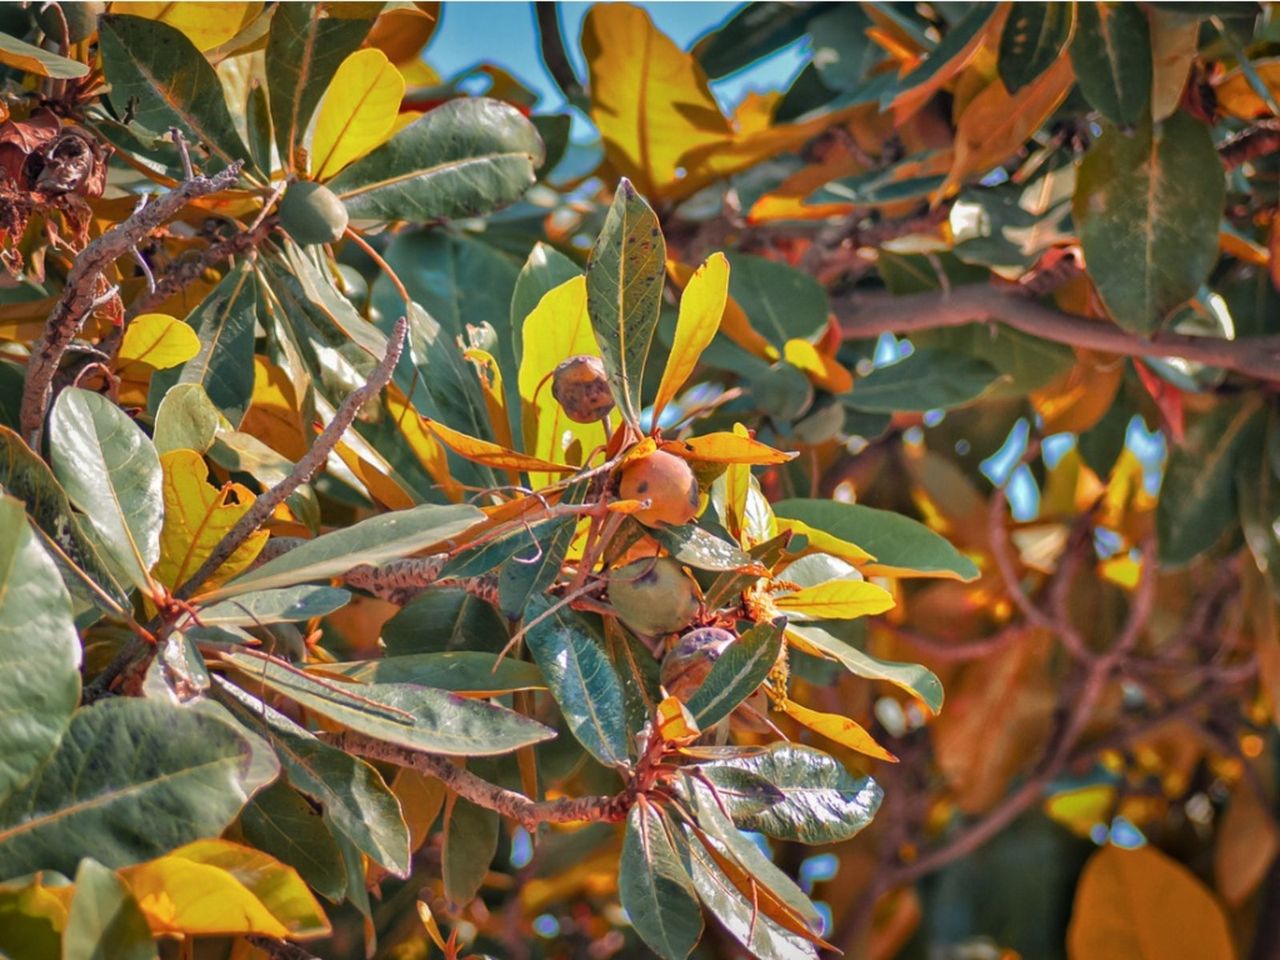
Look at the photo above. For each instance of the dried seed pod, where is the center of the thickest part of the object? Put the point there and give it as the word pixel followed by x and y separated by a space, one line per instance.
pixel 581 387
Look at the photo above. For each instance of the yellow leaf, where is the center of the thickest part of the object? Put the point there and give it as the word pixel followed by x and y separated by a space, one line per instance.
pixel 207 25
pixel 495 399
pixel 556 329
pixel 823 370
pixel 158 340
pixel 737 486
pixel 1082 809
pixel 727 448
pixel 426 448
pixel 421 798
pixel 848 733
pixel 357 113
pixel 701 307
pixel 676 723
pixel 430 925
pixel 734 323
pixel 822 542
pixel 491 454
pixel 24 321
pixel 1141 905
pixel 997 123
pixel 755 112
pixel 1239 99
pixel 649 99
pixel 196 516
pixel 1248 841
pixel 215 887
pixel 837 600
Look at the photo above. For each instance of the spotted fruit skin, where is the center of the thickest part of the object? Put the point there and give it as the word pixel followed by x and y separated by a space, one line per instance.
pixel 687 664
pixel 312 213
pixel 668 483
pixel 581 387
pixel 653 596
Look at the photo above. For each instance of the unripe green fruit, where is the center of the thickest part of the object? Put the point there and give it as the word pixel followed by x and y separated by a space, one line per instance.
pixel 821 424
pixel 312 213
pixel 668 483
pixel 783 392
pixel 581 387
pixel 653 596
pixel 82 20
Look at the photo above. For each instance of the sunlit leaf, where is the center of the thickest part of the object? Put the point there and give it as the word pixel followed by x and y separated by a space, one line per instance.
pixel 491 454
pixel 728 448
pixel 839 729
pixel 357 111
pixel 836 600
pixel 159 341
pixel 21 55
pixel 701 307
pixel 104 920
pixel 207 25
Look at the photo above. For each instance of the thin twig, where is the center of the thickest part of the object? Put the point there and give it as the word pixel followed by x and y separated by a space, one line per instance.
pixel 81 293
pixel 864 315
pixel 528 813
pixel 306 468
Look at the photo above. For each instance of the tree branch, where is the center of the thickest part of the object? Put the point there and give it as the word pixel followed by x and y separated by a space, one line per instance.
pixel 306 468
pixel 864 314
pixel 81 294
pixel 528 813
pixel 554 55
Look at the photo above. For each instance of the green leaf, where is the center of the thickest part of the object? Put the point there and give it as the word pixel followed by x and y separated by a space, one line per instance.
pixel 954 43
pixel 32 917
pixel 278 821
pixel 186 419
pixel 1258 492
pixel 625 273
pixel 1027 362
pixel 105 922
pixel 1111 55
pixel 417 717
pixel 755 931
pixel 1150 242
pixel 895 541
pixel 470 842
pixel 459 671
pixel 282 605
pixel 730 843
pixel 304 50
pixel 1198 496
pixel 388 536
pixel 29 479
pixel 1032 39
pixel 130 780
pixel 439 620
pixel 571 657
pixel 355 799
pixel 465 158
pixel 224 321
pixel 39 651
pixel 752 33
pixel 154 67
pixel 43 63
pixel 821 802
pixel 737 673
pixel 783 303
pixel 522 578
pixel 110 471
pixel 655 887
pixel 925 380
pixel 914 678
pixel 695 547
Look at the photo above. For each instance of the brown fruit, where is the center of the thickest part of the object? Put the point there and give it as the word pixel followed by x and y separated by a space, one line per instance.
pixel 668 483
pixel 687 664
pixel 581 387
pixel 653 597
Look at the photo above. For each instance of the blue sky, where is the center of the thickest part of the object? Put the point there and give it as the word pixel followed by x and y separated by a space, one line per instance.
pixel 504 33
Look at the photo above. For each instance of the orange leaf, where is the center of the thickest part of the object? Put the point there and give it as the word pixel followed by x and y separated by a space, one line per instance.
pixel 1141 905
pixel 823 370
pixel 848 733
pixel 1238 98
pixel 701 307
pixel 426 448
pixel 822 542
pixel 491 454
pixel 997 123
pixel 727 448
pixel 1247 843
